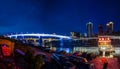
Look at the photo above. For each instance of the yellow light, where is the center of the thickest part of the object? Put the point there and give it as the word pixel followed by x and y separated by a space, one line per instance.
pixel 99 39
pixel 104 41
pixel 108 38
pixel 102 38
pixel 107 24
pixel 110 22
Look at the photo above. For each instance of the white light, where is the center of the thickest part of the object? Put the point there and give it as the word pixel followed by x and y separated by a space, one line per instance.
pixel 52 35
pixel 103 48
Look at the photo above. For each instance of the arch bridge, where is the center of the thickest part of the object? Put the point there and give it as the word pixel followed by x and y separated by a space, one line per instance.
pixel 39 39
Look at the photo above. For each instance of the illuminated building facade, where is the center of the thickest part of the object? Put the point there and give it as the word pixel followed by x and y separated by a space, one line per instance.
pixel 89 29
pixel 110 27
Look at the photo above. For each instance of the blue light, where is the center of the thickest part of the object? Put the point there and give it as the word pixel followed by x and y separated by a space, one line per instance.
pixel 67 50
pixel 52 35
pixel 61 42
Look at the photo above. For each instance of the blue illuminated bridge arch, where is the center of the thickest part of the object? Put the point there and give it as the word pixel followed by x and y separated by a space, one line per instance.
pixel 39 35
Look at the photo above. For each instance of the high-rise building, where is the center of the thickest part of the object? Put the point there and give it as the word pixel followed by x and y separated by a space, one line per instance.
pixel 110 27
pixel 100 30
pixel 89 29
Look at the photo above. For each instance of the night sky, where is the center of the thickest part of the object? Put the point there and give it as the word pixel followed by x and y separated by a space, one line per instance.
pixel 57 16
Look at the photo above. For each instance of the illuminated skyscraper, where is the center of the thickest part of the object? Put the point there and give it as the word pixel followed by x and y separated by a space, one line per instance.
pixel 110 27
pixel 100 30
pixel 89 29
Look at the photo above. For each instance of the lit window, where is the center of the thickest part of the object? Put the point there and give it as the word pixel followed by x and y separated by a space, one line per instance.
pixel 102 38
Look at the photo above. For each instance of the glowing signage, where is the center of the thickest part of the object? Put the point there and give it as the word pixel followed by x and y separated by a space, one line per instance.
pixel 104 41
pixel 5 51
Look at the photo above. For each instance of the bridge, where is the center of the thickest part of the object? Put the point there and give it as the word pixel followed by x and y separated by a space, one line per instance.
pixel 39 39
pixel 39 35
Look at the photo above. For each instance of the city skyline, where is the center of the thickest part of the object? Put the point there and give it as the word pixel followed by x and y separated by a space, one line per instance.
pixel 57 16
pixel 108 29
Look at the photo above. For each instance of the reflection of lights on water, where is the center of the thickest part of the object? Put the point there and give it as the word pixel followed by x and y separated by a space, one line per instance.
pixel 65 49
